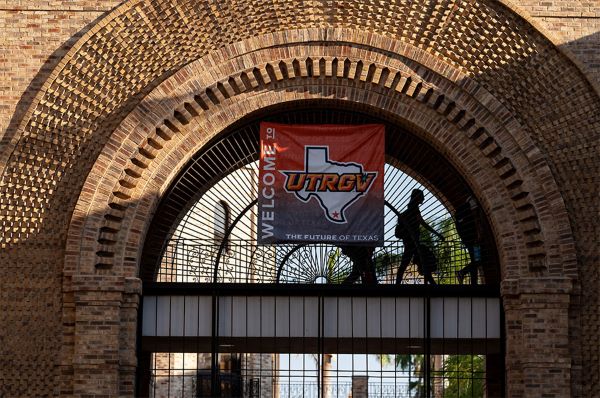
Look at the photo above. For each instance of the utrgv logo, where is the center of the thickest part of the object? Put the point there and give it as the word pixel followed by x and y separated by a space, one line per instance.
pixel 335 185
pixel 328 182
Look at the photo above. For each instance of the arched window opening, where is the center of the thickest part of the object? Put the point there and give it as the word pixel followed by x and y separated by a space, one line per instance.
pixel 456 246
pixel 225 316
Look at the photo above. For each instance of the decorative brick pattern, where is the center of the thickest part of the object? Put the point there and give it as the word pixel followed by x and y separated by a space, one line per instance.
pixel 278 81
pixel 405 82
pixel 64 103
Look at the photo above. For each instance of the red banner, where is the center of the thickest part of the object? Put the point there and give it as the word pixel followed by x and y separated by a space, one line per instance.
pixel 321 183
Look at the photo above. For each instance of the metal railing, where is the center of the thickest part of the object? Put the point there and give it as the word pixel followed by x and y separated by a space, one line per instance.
pixel 244 261
pixel 342 390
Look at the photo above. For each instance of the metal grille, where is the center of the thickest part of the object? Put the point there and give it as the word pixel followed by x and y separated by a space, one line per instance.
pixel 182 232
pixel 318 376
pixel 201 252
pixel 201 248
pixel 323 346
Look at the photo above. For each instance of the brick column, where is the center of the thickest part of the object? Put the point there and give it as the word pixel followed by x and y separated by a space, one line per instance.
pixel 538 361
pixel 128 336
pixel 104 344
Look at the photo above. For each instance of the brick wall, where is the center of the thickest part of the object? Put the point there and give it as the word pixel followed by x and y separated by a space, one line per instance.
pixel 35 36
pixel 574 24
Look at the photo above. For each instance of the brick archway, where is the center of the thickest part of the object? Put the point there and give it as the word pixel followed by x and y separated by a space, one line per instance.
pixel 456 116
pixel 117 118
pixel 497 139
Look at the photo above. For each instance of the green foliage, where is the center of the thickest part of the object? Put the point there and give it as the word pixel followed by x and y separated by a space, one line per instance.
pixel 384 359
pixel 384 262
pixel 464 376
pixel 333 273
pixel 450 252
pixel 415 366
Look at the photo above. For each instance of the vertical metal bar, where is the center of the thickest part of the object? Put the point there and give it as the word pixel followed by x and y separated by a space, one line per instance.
pixel 352 334
pixel 183 354
pixel 289 379
pixel 260 344
pixel 214 360
pixel 320 350
pixel 396 342
pixel 197 334
pixel 366 354
pixel 427 375
pixel 303 343
pixel 471 341
pixel 502 361
pixel 170 347
pixel 247 370
pixel 337 334
pixel 154 354
pixel 381 352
